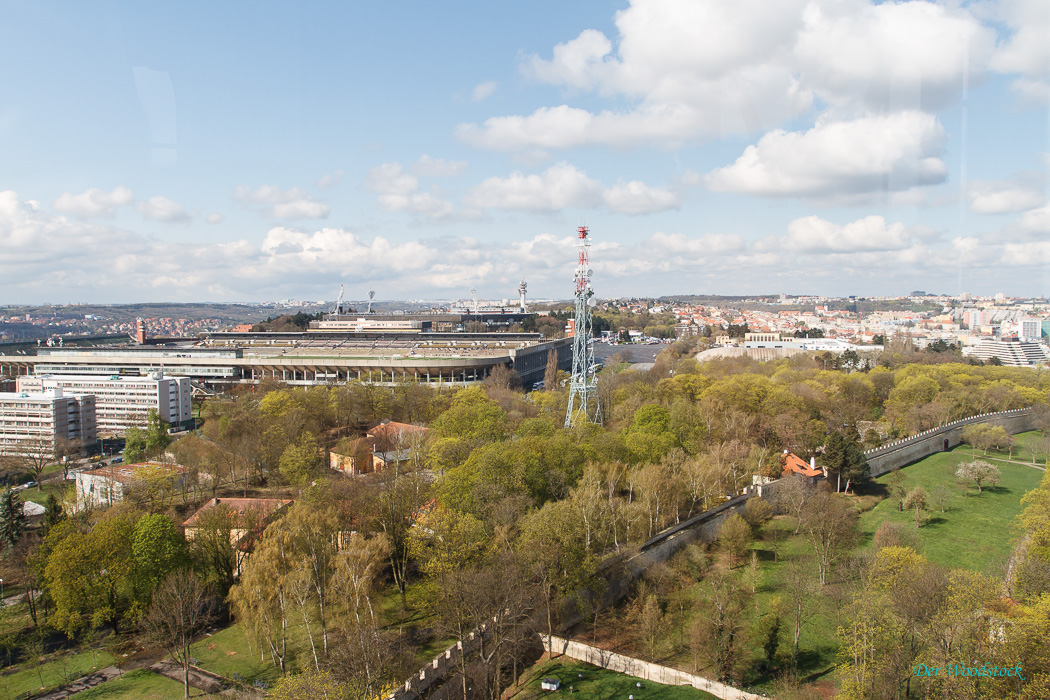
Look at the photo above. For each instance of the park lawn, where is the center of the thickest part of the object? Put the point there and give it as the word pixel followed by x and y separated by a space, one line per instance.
pixel 141 684
pixel 15 619
pixel 1026 450
pixel 63 490
pixel 229 654
pixel 599 684
pixel 818 640
pixel 977 531
pixel 54 672
pixel 417 616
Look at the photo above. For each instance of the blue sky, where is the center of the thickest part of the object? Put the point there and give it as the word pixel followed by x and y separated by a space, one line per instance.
pixel 258 151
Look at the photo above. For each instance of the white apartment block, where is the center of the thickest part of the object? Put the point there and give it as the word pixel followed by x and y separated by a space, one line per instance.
pixel 33 423
pixel 123 402
pixel 1030 330
pixel 1009 353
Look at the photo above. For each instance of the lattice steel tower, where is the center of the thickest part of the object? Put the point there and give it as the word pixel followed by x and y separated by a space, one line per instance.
pixel 583 387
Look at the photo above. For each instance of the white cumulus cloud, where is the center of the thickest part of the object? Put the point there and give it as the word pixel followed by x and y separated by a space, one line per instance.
pixel 329 180
pixel 564 186
pixel 398 190
pixel 163 209
pixel 999 197
pixel 94 203
pixel 892 152
pixel 694 69
pixel 1027 50
pixel 636 197
pixel 812 234
pixel 438 167
pixel 483 90
pixel 293 203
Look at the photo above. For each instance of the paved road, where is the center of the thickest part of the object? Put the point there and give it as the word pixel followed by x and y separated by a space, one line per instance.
pixel 634 352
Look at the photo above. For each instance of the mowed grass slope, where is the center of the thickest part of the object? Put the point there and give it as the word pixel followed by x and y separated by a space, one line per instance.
pixel 599 684
pixel 138 685
pixel 52 672
pixel 976 531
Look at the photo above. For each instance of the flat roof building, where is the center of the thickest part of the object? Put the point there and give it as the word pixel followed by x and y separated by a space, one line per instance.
pixel 37 422
pixel 102 487
pixel 123 402
pixel 1012 353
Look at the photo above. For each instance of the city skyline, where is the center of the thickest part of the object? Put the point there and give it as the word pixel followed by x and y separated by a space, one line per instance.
pixel 236 153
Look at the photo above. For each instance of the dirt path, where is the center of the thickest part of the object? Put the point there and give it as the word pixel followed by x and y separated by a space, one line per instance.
pixel 1014 461
pixel 83 683
pixel 199 678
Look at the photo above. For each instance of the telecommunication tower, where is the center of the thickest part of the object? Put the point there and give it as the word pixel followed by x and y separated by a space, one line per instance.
pixel 338 308
pixel 583 386
pixel 522 288
pixel 371 296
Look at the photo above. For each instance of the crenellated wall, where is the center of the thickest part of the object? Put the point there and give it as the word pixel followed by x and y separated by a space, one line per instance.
pixel 912 449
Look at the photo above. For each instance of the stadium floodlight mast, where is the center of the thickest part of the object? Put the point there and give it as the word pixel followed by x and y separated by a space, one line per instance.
pixel 583 386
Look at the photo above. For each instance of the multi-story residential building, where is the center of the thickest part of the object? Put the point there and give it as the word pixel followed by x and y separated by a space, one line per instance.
pixel 36 423
pixel 1030 330
pixel 123 402
pixel 1011 353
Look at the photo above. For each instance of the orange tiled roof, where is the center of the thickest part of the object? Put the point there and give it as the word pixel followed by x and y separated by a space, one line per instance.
pixel 390 434
pixel 796 465
pixel 266 506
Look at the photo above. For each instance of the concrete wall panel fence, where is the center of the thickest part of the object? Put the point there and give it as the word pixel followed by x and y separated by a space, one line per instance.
pixel 641 669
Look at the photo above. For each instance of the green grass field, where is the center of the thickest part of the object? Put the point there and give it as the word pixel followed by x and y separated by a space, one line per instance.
pixel 38 494
pixel 599 684
pixel 977 530
pixel 228 652
pixel 52 673
pixel 138 685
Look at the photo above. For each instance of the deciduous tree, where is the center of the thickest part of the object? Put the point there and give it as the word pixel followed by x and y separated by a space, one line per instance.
pixel 831 526
pixel 979 472
pixel 181 608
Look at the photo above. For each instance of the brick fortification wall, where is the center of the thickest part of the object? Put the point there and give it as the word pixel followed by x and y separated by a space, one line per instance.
pixel 908 450
pixel 623 569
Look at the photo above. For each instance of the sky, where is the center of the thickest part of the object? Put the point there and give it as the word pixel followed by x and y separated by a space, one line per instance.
pixel 256 151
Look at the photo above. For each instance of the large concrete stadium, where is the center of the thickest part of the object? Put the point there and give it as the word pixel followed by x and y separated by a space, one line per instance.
pixel 315 357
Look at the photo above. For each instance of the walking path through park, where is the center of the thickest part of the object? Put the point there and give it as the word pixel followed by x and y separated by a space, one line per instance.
pixel 16 598
pixel 1014 461
pixel 83 683
pixel 199 678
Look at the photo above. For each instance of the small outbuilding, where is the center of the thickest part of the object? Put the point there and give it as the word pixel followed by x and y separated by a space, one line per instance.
pixel 550 684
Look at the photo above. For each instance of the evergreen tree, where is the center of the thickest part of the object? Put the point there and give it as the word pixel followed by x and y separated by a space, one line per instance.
pixel 844 458
pixel 12 519
pixel 53 513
